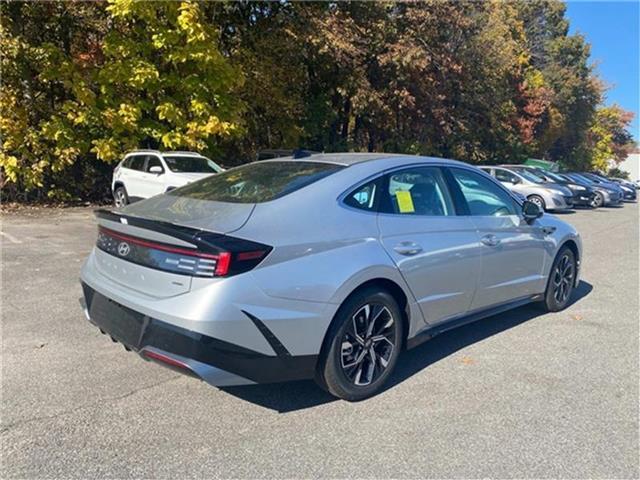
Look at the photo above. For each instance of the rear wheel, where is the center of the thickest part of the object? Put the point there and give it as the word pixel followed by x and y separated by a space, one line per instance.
pixel 598 200
pixel 561 281
pixel 120 198
pixel 539 201
pixel 365 340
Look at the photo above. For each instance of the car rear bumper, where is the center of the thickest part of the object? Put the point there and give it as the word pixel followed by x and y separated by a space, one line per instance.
pixel 218 362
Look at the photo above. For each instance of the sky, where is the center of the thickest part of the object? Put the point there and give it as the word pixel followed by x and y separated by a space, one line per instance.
pixel 612 29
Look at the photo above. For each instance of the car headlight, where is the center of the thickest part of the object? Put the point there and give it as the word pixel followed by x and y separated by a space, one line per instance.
pixel 579 188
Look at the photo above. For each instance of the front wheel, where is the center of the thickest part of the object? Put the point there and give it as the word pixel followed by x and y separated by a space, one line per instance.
pixel 120 198
pixel 365 340
pixel 539 201
pixel 598 200
pixel 561 281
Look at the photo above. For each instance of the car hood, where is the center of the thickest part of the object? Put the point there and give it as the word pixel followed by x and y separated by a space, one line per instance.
pixel 558 188
pixel 219 217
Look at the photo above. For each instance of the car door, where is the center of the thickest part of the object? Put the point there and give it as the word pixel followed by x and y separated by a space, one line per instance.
pixel 513 251
pixel 510 180
pixel 153 183
pixel 437 251
pixel 134 179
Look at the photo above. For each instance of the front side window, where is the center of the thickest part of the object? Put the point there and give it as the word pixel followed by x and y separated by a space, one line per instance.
pixel 257 182
pixel 483 197
pixel 153 161
pixel 137 162
pixel 191 164
pixel 417 191
pixel 505 176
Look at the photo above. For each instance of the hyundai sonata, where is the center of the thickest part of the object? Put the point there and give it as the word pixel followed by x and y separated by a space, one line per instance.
pixel 322 267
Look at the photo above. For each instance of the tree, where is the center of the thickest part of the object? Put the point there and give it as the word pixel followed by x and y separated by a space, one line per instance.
pixel 608 138
pixel 156 78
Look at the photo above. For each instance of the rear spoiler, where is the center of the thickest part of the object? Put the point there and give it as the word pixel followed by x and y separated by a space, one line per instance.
pixel 239 254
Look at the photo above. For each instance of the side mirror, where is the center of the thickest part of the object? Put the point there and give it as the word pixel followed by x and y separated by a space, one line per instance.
pixel 156 169
pixel 531 211
pixel 516 180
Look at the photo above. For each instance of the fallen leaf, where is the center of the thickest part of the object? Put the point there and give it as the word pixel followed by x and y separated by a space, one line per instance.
pixel 467 360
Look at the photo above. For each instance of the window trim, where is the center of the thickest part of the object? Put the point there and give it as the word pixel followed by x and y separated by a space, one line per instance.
pixel 381 183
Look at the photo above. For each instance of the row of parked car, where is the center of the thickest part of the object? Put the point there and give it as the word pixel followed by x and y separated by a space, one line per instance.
pixel 562 191
pixel 145 173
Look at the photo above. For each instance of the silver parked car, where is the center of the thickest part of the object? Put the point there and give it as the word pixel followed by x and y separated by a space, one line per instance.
pixel 547 195
pixel 323 267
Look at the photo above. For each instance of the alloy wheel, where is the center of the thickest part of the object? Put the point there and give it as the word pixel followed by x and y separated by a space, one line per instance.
pixel 536 201
pixel 563 279
pixel 368 344
pixel 120 198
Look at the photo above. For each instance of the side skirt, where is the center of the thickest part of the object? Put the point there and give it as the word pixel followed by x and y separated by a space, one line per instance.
pixel 430 332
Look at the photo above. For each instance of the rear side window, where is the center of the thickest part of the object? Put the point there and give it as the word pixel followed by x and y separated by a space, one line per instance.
pixel 257 182
pixel 364 197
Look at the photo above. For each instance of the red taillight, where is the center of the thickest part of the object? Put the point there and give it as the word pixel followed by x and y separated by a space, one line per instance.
pixel 224 261
pixel 242 256
pixel 165 359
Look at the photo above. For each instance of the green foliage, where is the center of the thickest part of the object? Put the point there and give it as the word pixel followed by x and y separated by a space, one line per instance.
pixel 486 81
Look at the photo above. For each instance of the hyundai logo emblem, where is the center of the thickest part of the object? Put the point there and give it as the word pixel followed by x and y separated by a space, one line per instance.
pixel 123 249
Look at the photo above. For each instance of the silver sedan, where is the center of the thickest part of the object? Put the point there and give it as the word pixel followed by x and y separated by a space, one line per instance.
pixel 323 267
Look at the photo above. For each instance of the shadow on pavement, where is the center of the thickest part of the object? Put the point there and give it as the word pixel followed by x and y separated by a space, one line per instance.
pixel 292 396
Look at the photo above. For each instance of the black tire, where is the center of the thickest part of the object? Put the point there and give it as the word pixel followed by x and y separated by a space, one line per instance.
pixel 538 200
pixel 120 197
pixel 598 200
pixel 345 353
pixel 561 281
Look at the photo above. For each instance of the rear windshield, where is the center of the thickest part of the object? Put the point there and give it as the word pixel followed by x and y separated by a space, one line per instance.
pixel 256 182
pixel 182 163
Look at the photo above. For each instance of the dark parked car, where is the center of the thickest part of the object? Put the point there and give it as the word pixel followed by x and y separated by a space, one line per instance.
pixel 628 193
pixel 606 194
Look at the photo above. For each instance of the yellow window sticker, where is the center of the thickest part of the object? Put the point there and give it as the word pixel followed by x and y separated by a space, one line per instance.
pixel 405 202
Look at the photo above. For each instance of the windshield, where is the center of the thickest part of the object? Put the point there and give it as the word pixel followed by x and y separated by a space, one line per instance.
pixel 579 179
pixel 194 164
pixel 529 175
pixel 257 182
pixel 555 177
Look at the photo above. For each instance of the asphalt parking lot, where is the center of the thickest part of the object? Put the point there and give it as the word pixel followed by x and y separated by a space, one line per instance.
pixel 522 394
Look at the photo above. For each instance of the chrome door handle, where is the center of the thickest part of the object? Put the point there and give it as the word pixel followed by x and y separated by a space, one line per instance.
pixel 490 240
pixel 407 248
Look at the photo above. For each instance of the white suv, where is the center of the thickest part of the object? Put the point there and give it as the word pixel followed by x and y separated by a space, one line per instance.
pixel 145 173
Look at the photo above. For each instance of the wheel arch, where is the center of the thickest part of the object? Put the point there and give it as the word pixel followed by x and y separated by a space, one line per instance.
pixel 117 184
pixel 393 288
pixel 573 246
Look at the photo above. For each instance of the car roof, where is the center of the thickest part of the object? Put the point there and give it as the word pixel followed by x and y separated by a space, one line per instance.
pixel 347 159
pixel 158 152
